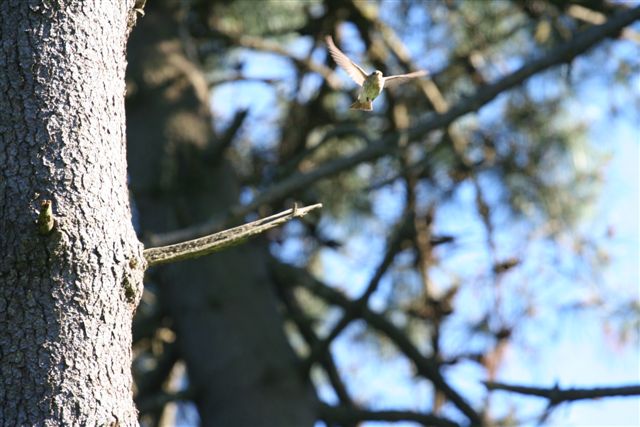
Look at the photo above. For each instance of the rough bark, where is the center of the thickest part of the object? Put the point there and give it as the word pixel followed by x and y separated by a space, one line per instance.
pixel 67 294
pixel 223 307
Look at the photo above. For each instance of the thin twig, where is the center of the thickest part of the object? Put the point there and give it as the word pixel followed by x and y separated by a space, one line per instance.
pixel 353 312
pixel 305 326
pixel 217 241
pixel 342 415
pixel 557 395
pixel 257 43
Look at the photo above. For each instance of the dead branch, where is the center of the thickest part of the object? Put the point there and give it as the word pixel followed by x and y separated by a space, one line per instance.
pixel 341 415
pixel 557 395
pixel 224 239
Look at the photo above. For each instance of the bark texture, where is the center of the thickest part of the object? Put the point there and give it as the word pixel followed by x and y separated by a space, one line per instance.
pixel 67 295
pixel 223 307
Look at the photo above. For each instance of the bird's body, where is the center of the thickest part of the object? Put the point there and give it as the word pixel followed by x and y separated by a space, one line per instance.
pixel 371 88
pixel 372 84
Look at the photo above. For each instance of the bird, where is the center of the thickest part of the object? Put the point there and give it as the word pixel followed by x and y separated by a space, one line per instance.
pixel 372 84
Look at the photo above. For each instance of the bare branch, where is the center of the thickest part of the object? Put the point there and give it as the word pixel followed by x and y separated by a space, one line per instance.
pixel 342 416
pixel 594 17
pixel 215 242
pixel 305 327
pixel 216 150
pixel 557 395
pixel 239 77
pixel 426 367
pixel 394 246
pixel 263 45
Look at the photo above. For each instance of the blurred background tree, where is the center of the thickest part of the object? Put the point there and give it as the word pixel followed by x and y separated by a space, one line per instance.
pixel 452 233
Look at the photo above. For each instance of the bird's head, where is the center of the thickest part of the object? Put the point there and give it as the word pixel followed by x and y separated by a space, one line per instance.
pixel 377 73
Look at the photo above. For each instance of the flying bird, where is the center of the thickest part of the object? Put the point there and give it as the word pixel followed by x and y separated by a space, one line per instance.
pixel 372 84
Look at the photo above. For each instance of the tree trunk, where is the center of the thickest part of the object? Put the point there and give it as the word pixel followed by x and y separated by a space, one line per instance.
pixel 67 293
pixel 223 307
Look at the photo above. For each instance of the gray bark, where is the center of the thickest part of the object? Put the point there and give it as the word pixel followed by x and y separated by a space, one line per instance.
pixel 67 295
pixel 223 307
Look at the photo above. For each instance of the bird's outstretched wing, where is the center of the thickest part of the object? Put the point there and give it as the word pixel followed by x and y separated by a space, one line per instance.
pixel 354 70
pixel 401 78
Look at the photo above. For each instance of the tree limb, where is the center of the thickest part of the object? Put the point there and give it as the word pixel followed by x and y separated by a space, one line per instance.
pixel 263 45
pixel 354 310
pixel 305 327
pixel 217 241
pixel 215 151
pixel 557 395
pixel 341 415
pixel 425 366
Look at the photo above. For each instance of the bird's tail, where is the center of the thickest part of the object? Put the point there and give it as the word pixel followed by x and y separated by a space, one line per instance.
pixel 362 105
